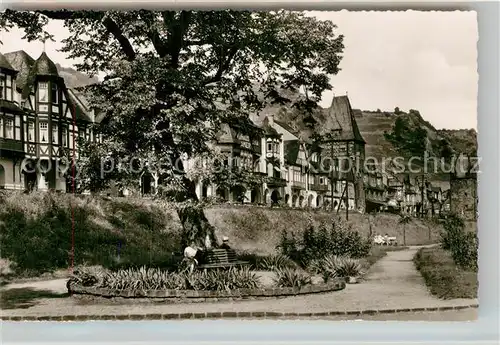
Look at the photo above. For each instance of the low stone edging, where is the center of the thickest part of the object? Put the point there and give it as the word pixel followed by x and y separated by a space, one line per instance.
pixel 228 315
pixel 204 296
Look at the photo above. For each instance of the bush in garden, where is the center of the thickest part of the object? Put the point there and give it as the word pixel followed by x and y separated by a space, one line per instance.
pixel 332 266
pixel 222 280
pixel 462 245
pixel 289 277
pixel 143 278
pixel 465 251
pixel 454 227
pixel 275 262
pixel 289 246
pixel 347 267
pixel 317 242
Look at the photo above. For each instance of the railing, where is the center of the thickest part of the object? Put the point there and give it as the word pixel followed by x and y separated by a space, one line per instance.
pixel 298 184
pixel 276 182
pixel 318 187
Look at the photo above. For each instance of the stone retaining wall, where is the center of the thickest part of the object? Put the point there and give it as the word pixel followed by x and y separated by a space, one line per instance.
pixel 207 296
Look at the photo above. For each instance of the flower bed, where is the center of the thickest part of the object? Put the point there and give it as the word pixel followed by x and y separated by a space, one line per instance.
pixel 203 296
pixel 196 286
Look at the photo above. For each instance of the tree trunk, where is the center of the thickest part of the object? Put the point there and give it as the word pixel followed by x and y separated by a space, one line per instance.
pixel 404 235
pixel 195 224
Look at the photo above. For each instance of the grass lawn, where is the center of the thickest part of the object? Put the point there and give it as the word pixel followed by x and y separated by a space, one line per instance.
pixel 443 277
pixel 21 298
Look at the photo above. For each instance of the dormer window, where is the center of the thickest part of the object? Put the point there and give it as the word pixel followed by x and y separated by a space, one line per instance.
pixel 44 131
pixel 54 94
pixel 43 92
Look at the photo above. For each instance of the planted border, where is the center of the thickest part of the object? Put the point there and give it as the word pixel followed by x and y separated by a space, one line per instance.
pixel 201 294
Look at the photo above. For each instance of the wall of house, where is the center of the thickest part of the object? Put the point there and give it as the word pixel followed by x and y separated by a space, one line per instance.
pixel 10 176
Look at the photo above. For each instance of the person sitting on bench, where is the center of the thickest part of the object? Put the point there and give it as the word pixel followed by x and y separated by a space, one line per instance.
pixel 225 243
pixel 191 256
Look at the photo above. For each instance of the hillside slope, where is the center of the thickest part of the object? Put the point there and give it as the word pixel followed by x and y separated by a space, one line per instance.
pixel 36 229
pixel 73 78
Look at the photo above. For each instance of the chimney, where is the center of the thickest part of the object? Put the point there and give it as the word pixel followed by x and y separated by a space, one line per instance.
pixel 271 120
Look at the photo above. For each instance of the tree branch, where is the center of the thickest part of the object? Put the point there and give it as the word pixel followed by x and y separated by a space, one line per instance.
pixel 115 30
pixel 223 66
pixel 108 23
pixel 176 37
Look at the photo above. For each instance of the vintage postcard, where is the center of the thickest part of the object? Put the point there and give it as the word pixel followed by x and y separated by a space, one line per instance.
pixel 187 164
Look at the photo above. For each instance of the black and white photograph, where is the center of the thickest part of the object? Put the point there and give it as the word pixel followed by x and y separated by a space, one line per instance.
pixel 237 164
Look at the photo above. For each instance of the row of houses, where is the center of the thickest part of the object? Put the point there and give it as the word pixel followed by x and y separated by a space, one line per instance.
pixel 41 118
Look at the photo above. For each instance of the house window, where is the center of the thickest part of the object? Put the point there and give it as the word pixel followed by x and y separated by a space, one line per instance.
pixel 270 147
pixel 55 134
pixel 9 129
pixel 17 127
pixel 64 136
pixel 1 127
pixel 321 180
pixel 43 92
pixel 31 131
pixel 44 131
pixel 54 94
pixel 2 87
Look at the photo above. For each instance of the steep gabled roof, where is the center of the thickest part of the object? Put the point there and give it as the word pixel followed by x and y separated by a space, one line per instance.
pixel 75 104
pixel 44 66
pixel 341 121
pixel 286 127
pixel 5 64
pixel 268 129
pixel 22 63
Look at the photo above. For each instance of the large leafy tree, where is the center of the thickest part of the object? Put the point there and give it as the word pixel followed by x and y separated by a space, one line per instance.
pixel 174 76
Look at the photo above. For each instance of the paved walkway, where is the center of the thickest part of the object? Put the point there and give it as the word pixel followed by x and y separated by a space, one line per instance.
pixel 392 283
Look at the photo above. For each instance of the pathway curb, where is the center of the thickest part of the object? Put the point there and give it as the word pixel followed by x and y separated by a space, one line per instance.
pixel 227 315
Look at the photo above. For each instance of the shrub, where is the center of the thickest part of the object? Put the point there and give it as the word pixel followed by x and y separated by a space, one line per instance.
pixel 143 278
pixel 318 242
pixel 465 251
pixel 348 267
pixel 36 232
pixel 453 228
pixel 219 280
pixel 275 262
pixel 289 277
pixel 332 266
pixel 462 245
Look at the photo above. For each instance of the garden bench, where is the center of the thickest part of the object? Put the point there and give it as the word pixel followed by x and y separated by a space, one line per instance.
pixel 221 258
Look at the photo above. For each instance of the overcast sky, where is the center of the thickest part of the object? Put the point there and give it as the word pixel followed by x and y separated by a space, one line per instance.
pixel 411 60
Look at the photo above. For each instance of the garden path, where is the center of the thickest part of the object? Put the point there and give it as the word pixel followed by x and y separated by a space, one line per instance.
pixel 392 283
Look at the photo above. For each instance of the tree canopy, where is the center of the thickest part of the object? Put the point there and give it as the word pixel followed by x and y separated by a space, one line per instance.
pixel 174 76
pixel 407 140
